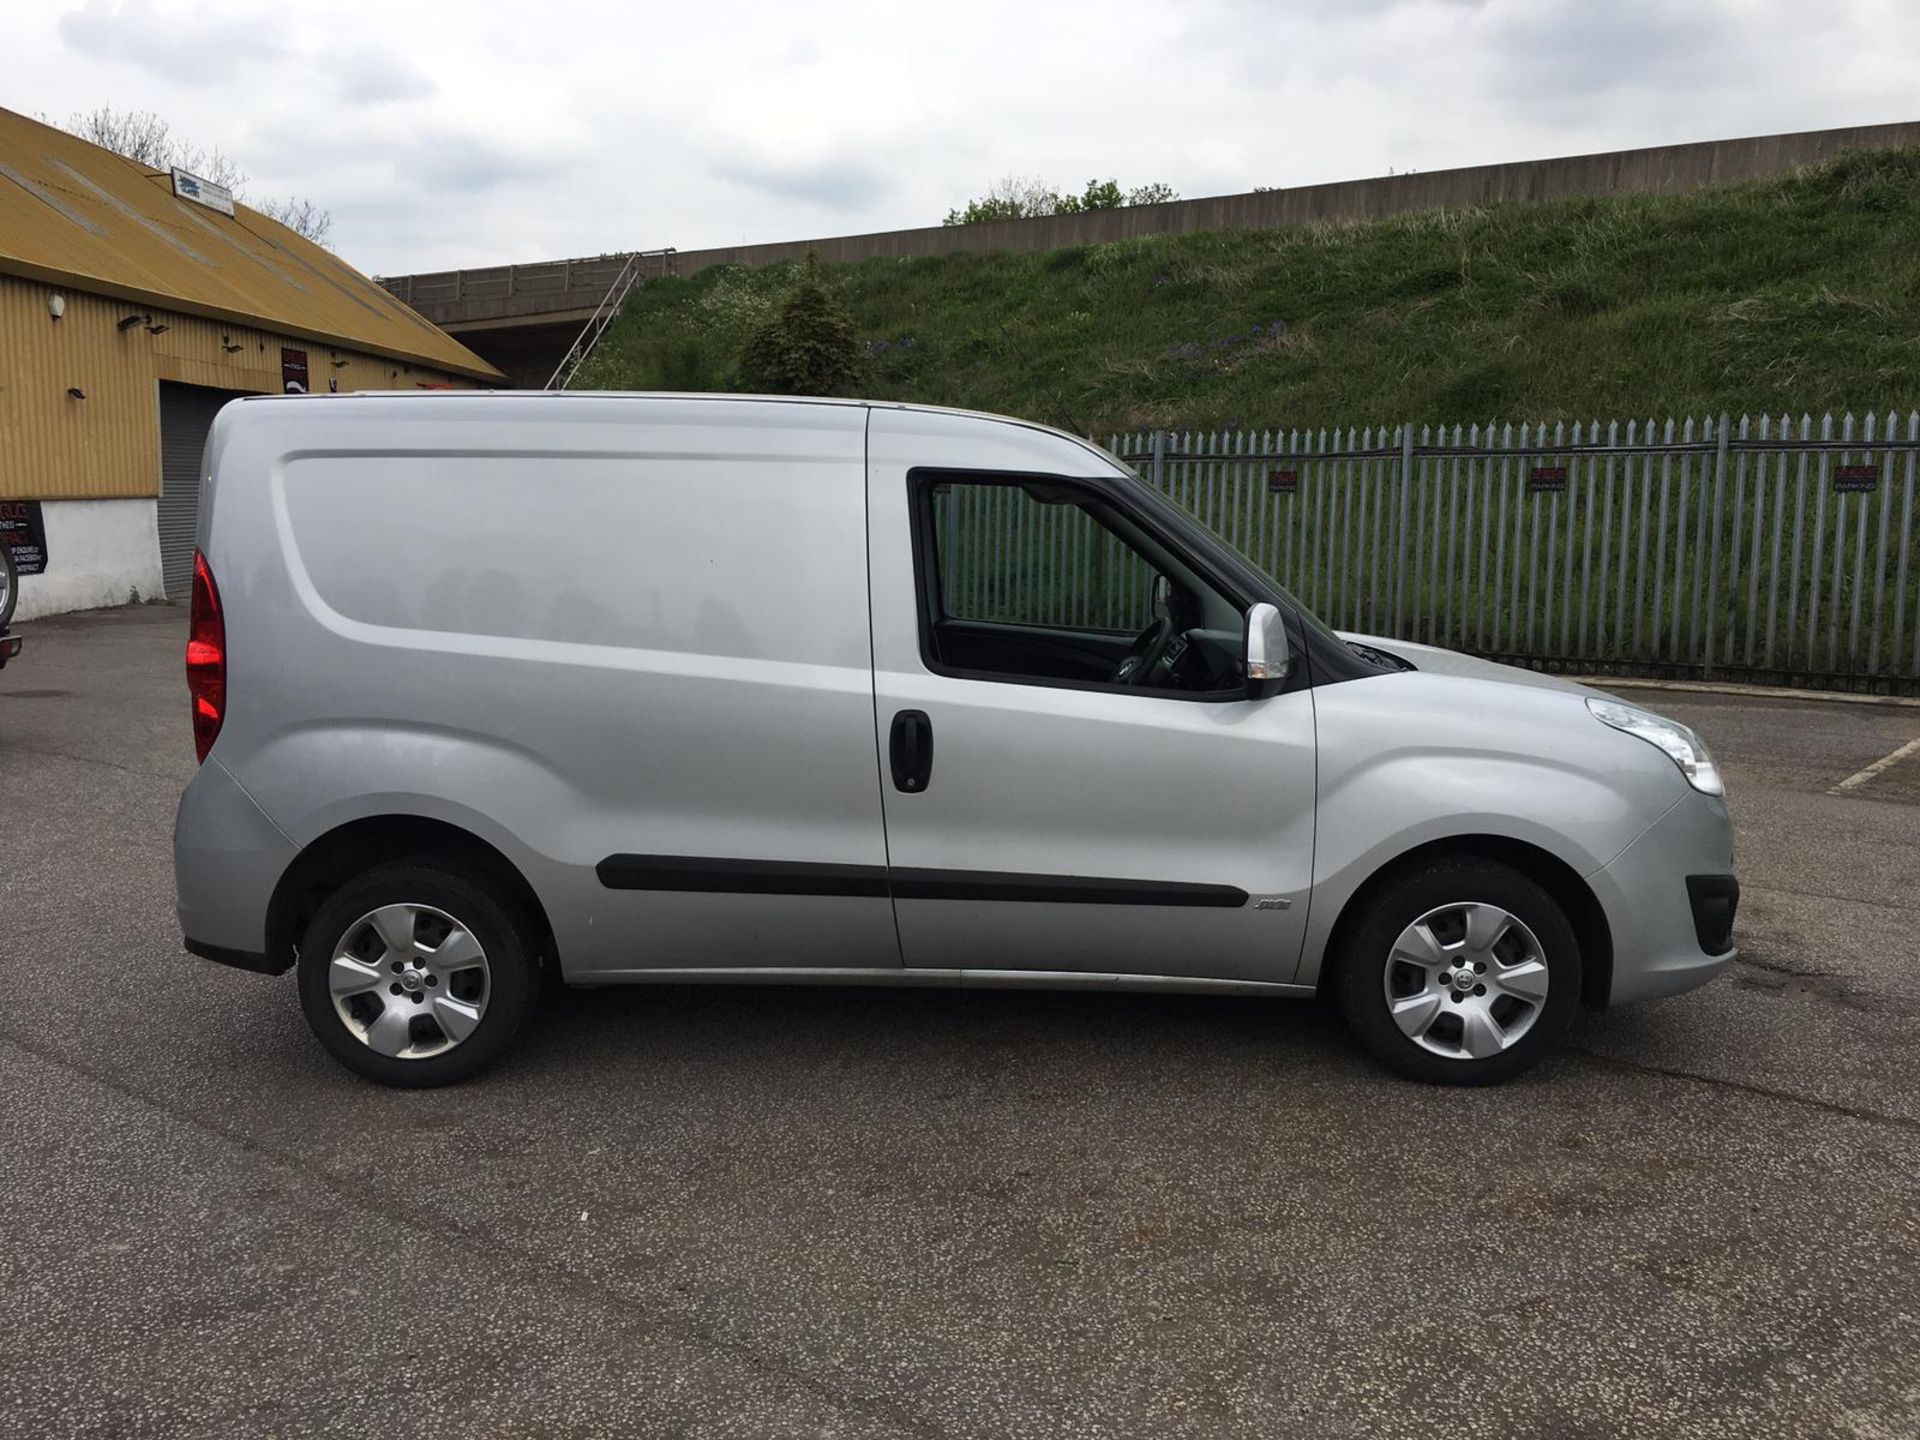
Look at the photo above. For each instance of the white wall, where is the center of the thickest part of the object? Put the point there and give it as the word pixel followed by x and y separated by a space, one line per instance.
pixel 99 552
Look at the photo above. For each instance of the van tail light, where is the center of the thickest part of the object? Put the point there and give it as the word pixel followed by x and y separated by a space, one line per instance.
pixel 206 658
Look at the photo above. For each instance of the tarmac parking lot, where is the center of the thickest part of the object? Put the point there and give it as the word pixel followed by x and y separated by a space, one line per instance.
pixel 744 1212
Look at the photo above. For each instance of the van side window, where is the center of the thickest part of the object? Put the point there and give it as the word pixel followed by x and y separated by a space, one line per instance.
pixel 1046 582
pixel 1007 558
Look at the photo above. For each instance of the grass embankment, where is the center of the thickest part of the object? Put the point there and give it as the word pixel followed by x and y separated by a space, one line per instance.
pixel 1794 294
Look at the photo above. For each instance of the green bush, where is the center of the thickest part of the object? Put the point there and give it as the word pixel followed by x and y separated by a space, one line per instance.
pixel 808 346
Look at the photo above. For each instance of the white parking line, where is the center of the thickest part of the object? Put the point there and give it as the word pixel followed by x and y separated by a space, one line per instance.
pixel 1885 762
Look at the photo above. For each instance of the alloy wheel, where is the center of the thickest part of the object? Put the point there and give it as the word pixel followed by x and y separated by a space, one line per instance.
pixel 409 981
pixel 1466 981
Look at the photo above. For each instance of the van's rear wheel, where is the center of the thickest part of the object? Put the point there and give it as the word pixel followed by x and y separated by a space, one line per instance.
pixel 413 975
pixel 1461 972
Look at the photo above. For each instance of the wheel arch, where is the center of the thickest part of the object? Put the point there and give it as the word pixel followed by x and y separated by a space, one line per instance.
pixel 1549 871
pixel 337 856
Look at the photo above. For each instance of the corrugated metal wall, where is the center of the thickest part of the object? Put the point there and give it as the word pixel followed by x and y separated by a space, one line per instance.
pixel 57 446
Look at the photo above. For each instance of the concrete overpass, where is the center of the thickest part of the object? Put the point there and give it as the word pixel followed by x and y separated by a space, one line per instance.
pixel 524 318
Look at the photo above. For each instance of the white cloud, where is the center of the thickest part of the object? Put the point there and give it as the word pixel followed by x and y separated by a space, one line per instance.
pixel 444 133
pixel 366 75
pixel 839 184
pixel 190 47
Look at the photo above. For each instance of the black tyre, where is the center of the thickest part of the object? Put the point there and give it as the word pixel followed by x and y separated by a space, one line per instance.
pixel 1460 972
pixel 415 975
pixel 9 585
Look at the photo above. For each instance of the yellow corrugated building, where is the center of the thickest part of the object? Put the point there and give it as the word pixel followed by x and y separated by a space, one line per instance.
pixel 129 314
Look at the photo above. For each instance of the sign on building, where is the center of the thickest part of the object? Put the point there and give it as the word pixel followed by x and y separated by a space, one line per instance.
pixel 23 533
pixel 202 192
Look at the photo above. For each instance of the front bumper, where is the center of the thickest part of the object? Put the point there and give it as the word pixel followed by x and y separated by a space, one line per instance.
pixel 9 647
pixel 1669 899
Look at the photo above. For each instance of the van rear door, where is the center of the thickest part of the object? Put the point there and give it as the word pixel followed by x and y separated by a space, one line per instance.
pixel 622 640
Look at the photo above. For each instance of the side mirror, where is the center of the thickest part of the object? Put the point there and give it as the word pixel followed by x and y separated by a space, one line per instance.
pixel 1268 656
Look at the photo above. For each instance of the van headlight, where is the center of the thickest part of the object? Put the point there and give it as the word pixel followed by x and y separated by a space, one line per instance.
pixel 1683 747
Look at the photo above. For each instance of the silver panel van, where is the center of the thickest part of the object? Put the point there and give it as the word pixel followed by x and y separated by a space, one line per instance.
pixel 644 689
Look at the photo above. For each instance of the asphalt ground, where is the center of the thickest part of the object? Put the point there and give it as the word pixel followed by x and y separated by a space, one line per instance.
pixel 742 1212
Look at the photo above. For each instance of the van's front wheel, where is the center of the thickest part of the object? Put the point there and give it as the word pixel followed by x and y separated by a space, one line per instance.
pixel 1462 972
pixel 412 975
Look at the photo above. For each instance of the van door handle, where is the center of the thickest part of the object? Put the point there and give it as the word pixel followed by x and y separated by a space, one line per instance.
pixel 910 750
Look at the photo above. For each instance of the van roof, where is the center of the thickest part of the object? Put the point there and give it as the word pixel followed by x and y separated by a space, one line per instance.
pixel 475 397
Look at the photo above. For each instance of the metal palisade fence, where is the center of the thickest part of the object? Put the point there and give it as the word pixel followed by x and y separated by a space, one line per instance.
pixel 1764 548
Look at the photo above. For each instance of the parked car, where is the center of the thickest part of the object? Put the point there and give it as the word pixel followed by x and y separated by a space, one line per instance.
pixel 656 689
pixel 9 597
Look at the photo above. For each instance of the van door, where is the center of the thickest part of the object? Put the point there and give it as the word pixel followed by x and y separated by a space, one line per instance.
pixel 1073 777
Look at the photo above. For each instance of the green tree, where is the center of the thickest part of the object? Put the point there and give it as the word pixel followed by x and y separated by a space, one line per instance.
pixel 1019 198
pixel 987 207
pixel 1012 197
pixel 808 346
pixel 1099 195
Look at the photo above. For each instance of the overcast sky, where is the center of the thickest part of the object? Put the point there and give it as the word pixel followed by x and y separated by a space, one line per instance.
pixel 442 135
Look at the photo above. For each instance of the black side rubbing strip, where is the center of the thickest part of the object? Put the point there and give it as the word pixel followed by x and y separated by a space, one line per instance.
pixel 780 877
pixel 739 877
pixel 1059 889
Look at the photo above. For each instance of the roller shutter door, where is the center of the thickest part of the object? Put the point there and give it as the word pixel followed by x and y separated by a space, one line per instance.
pixel 186 415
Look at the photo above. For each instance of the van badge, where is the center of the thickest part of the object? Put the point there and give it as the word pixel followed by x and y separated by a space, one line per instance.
pixel 1272 902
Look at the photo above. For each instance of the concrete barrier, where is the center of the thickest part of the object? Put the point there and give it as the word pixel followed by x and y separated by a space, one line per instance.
pixel 1663 169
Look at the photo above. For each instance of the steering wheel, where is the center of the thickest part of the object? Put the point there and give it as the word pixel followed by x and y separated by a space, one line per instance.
pixel 1145 653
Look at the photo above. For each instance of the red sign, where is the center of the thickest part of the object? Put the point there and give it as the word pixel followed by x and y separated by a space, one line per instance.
pixel 293 371
pixel 1283 482
pixel 1856 479
pixel 1551 478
